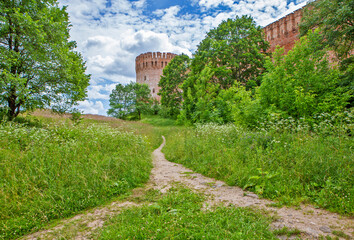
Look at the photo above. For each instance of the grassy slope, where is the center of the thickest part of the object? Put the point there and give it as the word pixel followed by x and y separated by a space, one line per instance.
pixel 51 169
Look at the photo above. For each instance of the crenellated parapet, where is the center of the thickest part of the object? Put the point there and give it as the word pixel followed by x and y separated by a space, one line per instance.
pixel 284 32
pixel 149 67
pixel 153 60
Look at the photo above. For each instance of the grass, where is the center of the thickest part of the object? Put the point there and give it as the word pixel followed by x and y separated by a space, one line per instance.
pixel 158 121
pixel 50 169
pixel 341 234
pixel 180 215
pixel 291 167
pixel 287 232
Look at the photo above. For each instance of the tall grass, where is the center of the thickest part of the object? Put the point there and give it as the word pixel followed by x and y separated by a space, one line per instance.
pixel 180 215
pixel 292 164
pixel 56 171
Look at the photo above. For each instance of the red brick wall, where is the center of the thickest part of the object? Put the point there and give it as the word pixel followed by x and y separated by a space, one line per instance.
pixel 149 66
pixel 284 32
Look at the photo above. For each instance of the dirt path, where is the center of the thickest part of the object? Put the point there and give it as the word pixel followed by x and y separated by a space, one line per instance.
pixel 312 222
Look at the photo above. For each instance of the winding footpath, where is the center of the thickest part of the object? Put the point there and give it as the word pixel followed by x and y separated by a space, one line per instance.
pixel 312 222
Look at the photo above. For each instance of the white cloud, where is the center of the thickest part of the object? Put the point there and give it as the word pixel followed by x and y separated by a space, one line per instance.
pixel 214 3
pixel 92 107
pixel 148 41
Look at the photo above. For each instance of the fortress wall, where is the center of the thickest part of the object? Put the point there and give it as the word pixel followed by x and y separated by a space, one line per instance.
pixel 149 67
pixel 284 32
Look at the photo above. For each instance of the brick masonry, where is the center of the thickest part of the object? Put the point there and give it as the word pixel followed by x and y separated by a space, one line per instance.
pixel 149 66
pixel 284 32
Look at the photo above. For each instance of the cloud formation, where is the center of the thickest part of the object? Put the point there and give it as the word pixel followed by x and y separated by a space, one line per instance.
pixel 111 33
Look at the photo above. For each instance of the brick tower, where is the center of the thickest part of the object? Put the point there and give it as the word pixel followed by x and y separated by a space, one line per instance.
pixel 148 68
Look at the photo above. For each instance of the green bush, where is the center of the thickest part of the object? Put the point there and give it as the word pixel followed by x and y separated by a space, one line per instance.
pixel 303 83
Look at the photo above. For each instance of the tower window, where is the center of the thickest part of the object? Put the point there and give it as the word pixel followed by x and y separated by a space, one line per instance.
pixel 153 90
pixel 144 78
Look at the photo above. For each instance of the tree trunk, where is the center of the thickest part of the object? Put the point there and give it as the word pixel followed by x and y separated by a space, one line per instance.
pixel 13 107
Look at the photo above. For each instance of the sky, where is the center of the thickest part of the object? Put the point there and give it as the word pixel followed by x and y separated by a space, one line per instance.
pixel 110 34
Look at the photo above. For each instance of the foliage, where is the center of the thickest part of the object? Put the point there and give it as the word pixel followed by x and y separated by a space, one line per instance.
pixel 180 215
pixel 234 51
pixel 335 19
pixel 285 160
pixel 201 103
pixel 173 76
pixel 76 116
pixel 303 82
pixel 57 171
pixel 129 101
pixel 38 65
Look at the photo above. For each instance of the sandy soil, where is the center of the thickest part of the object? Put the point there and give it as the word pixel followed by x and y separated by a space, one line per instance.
pixel 312 222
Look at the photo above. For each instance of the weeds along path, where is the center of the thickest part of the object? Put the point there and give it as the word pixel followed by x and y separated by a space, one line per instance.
pixel 313 223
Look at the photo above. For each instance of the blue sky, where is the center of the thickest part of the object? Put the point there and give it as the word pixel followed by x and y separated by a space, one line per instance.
pixel 111 33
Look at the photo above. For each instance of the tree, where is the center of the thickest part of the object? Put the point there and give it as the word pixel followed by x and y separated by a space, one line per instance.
pixel 143 99
pixel 173 76
pixel 121 101
pixel 335 18
pixel 303 82
pixel 129 100
pixel 38 65
pixel 233 52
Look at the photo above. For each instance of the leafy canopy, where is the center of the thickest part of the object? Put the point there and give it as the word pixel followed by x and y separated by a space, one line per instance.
pixel 335 18
pixel 38 65
pixel 233 52
pixel 173 76
pixel 129 101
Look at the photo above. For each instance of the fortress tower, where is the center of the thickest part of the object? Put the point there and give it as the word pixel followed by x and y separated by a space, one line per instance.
pixel 148 68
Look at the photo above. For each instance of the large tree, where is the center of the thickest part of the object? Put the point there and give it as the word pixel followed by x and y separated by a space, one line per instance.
pixel 173 76
pixel 38 65
pixel 233 52
pixel 129 100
